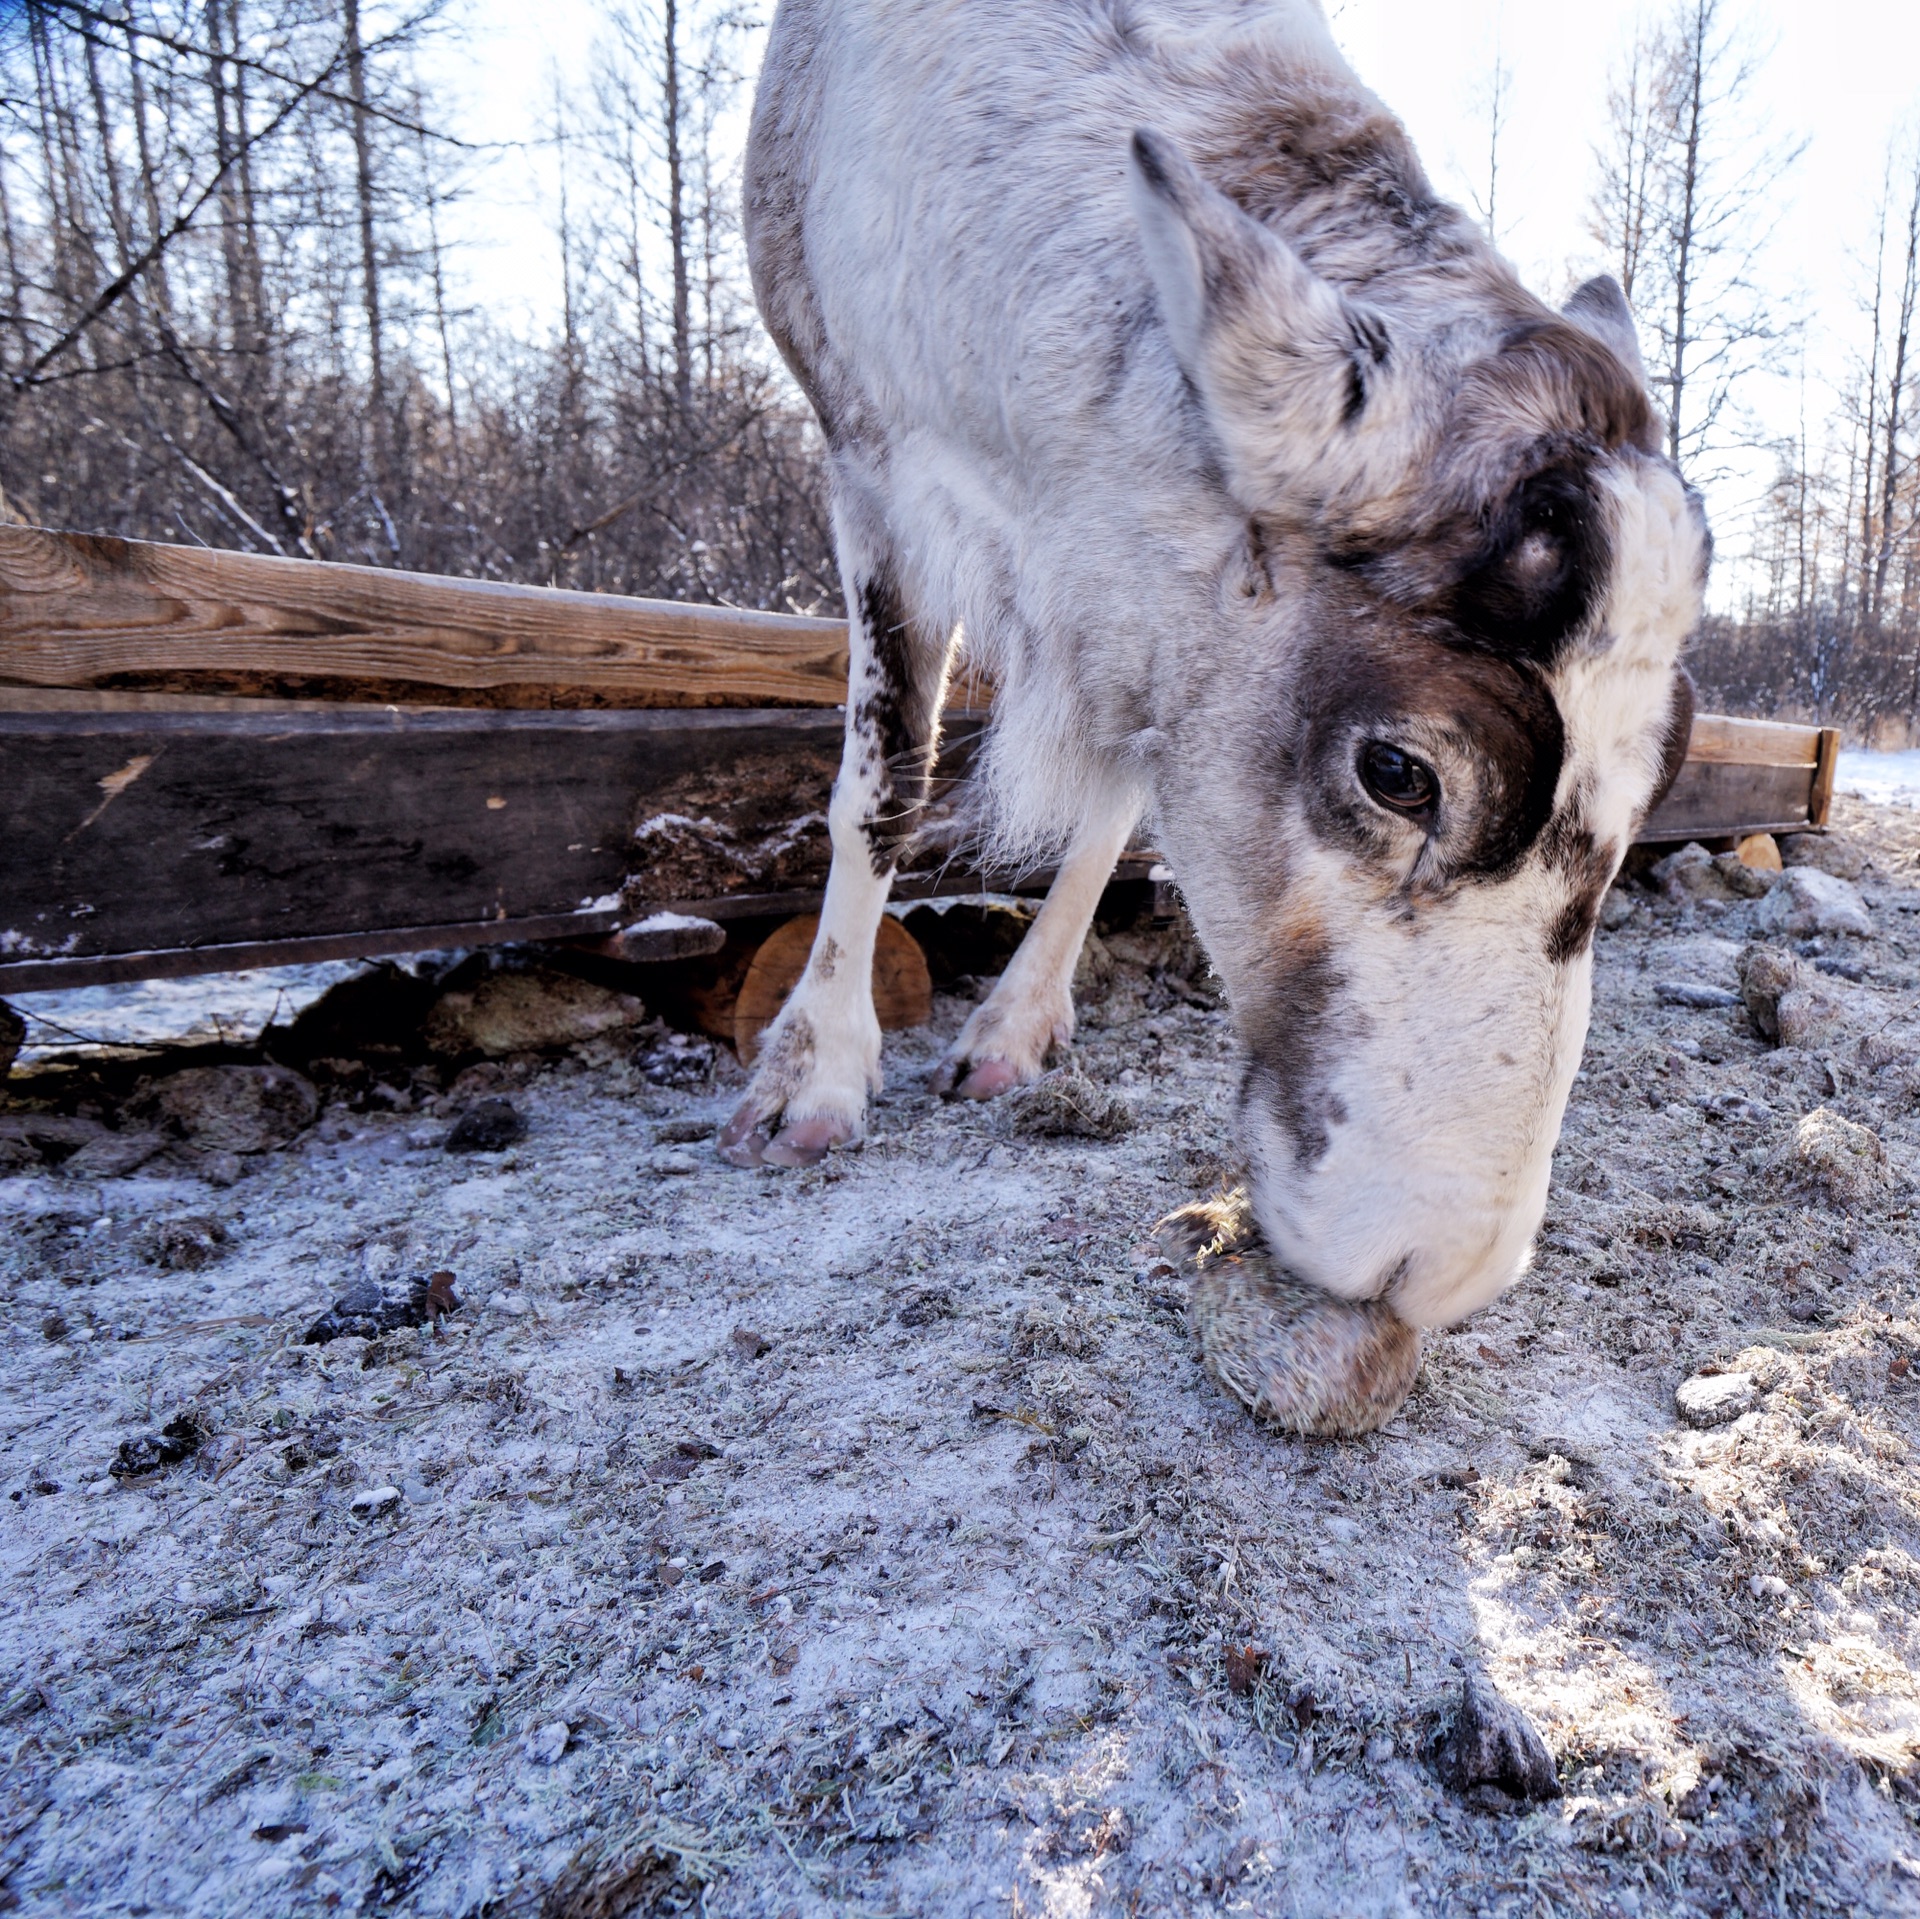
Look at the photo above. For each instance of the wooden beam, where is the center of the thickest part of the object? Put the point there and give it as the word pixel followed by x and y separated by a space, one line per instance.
pixel 81 612
pixel 1729 742
pixel 1825 766
pixel 183 962
pixel 1716 799
pixel 153 832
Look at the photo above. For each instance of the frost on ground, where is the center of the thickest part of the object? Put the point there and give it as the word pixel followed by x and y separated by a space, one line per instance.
pixel 869 1539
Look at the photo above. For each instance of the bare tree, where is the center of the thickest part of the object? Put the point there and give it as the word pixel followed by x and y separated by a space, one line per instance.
pixel 1683 207
pixel 1496 102
pixel 233 309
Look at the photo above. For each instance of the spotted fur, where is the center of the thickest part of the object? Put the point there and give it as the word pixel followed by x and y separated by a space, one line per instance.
pixel 1156 375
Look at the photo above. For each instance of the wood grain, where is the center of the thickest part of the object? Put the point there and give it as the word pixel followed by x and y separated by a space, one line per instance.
pixel 152 832
pixel 1825 767
pixel 1722 741
pixel 82 612
pixel 184 962
pixel 902 987
pixel 1719 800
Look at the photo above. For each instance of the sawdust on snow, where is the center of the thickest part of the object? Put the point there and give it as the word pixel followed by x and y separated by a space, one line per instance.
pixel 869 1539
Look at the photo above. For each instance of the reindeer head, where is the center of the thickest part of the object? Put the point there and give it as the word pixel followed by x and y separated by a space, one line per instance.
pixel 1406 761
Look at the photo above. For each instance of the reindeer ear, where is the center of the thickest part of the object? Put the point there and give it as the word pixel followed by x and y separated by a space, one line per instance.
pixel 1285 365
pixel 1599 307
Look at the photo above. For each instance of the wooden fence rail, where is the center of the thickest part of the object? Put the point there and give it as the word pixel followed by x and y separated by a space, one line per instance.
pixel 102 614
pixel 211 760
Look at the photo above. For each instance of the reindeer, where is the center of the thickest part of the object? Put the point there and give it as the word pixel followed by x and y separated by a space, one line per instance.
pixel 1155 375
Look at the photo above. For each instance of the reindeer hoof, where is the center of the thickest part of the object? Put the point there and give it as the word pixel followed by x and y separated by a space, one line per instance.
pixel 805 1142
pixel 749 1139
pixel 1293 1354
pixel 988 1080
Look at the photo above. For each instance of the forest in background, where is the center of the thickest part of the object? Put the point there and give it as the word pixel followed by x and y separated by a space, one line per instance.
pixel 232 317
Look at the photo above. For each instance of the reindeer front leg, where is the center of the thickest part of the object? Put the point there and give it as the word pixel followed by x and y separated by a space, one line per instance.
pixel 821 1057
pixel 1005 1042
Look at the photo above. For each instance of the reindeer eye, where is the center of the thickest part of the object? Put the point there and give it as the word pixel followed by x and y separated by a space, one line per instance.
pixel 1396 780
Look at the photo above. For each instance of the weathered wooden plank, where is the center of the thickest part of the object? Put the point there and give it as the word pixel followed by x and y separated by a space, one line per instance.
pixel 1825 767
pixel 1726 741
pixel 183 962
pixel 136 832
pixel 83 612
pixel 1715 799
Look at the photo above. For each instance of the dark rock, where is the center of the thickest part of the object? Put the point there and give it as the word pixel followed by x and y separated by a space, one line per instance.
pixel 178 1439
pixel 113 1155
pixel 1809 901
pixel 1692 995
pixel 1491 1742
pixel 1826 852
pixel 186 1245
pixel 1690 874
pixel 374 1307
pixel 13 1035
pixel 487 1126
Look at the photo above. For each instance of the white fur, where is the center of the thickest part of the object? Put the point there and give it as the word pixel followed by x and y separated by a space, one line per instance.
pixel 1005 319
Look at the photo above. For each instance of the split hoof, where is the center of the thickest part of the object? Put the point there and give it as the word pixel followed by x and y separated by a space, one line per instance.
pixel 749 1140
pixel 1291 1353
pixel 806 1142
pixel 982 1078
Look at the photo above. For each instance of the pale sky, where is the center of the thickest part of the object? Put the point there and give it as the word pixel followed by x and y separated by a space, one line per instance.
pixel 1844 74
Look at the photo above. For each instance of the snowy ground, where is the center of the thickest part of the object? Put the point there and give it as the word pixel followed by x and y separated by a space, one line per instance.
pixel 213 1009
pixel 1886 779
pixel 867 1540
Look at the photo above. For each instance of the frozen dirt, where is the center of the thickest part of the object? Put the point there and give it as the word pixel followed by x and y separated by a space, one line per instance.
pixel 868 1539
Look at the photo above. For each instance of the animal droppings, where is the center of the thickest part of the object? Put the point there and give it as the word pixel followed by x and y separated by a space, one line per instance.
pixel 1293 1354
pixel 487 1126
pixel 1715 1399
pixel 178 1439
pixel 1492 1743
pixel 1847 1163
pixel 372 1307
pixel 187 1245
pixel 1066 1104
pixel 1787 1000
